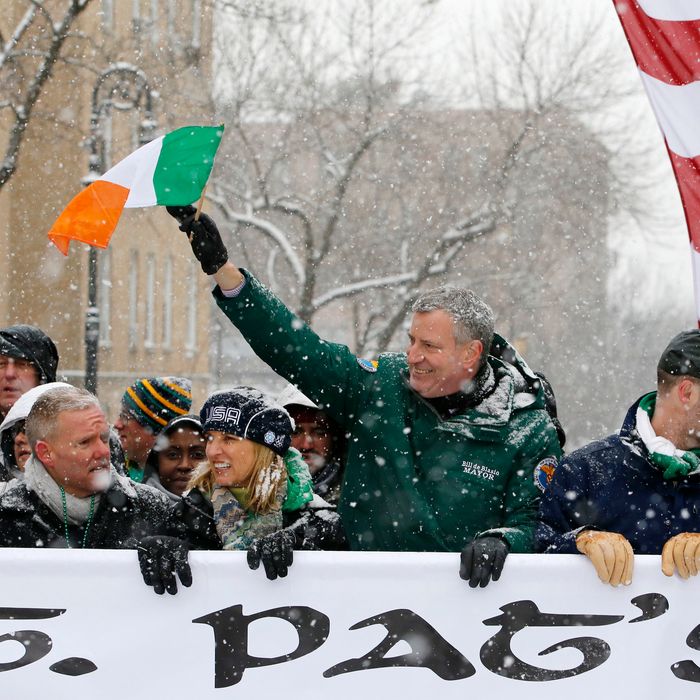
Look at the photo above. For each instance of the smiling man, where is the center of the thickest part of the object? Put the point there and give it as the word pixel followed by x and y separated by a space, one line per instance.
pixel 71 495
pixel 446 442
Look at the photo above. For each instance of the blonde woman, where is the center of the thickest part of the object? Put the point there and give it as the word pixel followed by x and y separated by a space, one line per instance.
pixel 253 493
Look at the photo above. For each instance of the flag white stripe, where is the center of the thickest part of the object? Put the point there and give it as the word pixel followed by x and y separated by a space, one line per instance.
pixel 135 173
pixel 676 108
pixel 695 261
pixel 673 10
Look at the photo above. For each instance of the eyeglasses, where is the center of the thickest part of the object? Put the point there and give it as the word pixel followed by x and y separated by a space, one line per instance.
pixel 125 417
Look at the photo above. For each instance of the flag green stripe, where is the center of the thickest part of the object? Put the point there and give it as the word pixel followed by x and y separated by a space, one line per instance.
pixel 185 161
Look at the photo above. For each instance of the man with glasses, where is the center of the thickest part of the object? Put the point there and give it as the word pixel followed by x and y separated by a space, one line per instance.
pixel 28 358
pixel 147 407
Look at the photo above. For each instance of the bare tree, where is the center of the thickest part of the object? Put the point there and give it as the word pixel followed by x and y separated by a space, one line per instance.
pixel 321 103
pixel 31 47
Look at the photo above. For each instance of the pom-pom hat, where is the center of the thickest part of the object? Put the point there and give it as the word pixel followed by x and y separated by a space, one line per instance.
pixel 249 414
pixel 155 401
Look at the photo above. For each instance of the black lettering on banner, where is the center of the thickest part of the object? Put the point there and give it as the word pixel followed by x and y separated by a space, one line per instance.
pixel 230 625
pixel 36 645
pixel 652 605
pixel 688 670
pixel 428 648
pixel 498 657
pixel 73 666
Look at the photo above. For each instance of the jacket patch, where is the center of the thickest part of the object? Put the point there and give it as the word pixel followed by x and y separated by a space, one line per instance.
pixel 544 472
pixel 479 470
pixel 367 365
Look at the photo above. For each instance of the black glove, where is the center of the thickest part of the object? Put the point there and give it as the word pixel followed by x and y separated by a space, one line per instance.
pixel 204 238
pixel 482 559
pixel 276 552
pixel 160 559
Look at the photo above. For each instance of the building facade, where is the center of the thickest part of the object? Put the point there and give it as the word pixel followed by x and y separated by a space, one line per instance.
pixel 153 299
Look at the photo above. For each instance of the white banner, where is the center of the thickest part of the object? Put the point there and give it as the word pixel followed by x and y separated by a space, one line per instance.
pixel 81 624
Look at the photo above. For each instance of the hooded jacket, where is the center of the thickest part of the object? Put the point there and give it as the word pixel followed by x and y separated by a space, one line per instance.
pixel 31 343
pixel 612 485
pixel 413 481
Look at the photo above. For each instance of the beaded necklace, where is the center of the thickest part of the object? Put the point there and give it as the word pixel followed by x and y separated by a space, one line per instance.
pixel 88 522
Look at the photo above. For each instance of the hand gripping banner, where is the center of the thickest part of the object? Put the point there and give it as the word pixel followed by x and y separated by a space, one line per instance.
pixel 81 624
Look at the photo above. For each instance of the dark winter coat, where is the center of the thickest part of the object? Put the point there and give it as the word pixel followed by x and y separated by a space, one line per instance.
pixel 413 481
pixel 127 512
pixel 611 485
pixel 316 527
pixel 327 481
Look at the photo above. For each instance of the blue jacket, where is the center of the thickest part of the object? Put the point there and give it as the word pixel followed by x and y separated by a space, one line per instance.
pixel 611 485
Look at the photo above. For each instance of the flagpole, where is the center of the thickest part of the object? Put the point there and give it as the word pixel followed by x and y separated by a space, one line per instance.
pixel 201 202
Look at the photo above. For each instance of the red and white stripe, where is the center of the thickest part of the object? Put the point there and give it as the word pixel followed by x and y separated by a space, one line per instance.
pixel 664 36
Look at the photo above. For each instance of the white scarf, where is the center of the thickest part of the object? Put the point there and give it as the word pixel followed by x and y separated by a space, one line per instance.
pixel 40 481
pixel 654 442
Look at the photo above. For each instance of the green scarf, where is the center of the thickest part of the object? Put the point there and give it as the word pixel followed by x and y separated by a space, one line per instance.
pixel 134 471
pixel 672 466
pixel 238 528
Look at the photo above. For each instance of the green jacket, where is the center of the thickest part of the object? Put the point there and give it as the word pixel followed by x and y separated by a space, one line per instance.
pixel 413 482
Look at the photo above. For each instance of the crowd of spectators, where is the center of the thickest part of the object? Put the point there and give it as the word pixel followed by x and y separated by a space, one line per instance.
pixel 454 446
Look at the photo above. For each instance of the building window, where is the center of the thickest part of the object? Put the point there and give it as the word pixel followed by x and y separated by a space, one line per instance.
pixel 104 296
pixel 196 23
pixel 154 24
pixel 150 339
pixel 106 128
pixel 133 300
pixel 172 18
pixel 168 303
pixel 191 334
pixel 108 15
pixel 136 129
pixel 136 21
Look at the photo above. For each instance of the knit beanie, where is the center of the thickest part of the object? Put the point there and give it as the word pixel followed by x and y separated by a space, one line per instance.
pixel 155 401
pixel 249 414
pixel 682 355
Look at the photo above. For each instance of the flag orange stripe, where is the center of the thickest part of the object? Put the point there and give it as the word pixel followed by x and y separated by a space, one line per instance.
pixel 162 399
pixel 177 389
pixel 145 408
pixel 91 216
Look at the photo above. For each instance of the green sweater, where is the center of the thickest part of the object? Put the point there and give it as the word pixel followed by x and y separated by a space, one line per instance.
pixel 413 482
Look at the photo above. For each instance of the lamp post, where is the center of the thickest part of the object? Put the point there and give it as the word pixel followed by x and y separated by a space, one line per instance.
pixel 121 87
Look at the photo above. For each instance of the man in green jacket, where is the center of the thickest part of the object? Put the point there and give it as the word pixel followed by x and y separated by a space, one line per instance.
pixel 447 443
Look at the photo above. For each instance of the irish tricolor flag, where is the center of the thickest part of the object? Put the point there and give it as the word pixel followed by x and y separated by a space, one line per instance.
pixel 170 170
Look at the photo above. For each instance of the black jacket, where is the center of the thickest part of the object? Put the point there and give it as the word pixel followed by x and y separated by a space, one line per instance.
pixel 192 519
pixel 126 513
pixel 611 485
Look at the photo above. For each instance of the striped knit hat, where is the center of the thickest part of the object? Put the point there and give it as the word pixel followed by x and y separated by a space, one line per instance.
pixel 154 402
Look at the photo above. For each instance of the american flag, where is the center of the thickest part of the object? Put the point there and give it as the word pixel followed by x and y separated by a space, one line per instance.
pixel 664 36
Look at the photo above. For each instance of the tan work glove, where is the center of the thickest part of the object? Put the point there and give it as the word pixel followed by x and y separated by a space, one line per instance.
pixel 681 552
pixel 610 553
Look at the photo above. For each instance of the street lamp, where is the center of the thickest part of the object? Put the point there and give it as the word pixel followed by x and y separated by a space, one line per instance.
pixel 121 87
